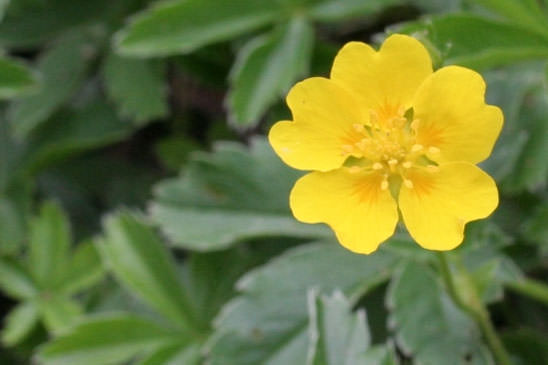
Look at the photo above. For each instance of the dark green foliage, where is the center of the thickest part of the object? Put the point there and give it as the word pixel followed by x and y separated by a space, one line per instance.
pixel 144 218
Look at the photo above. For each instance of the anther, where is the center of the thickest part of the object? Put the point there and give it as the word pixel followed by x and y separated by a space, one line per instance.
pixel 417 148
pixel 377 166
pixel 407 164
pixel 384 185
pixel 358 127
pixel 392 162
pixel 415 124
pixel 433 150
pixel 354 169
pixel 408 183
pixel 348 148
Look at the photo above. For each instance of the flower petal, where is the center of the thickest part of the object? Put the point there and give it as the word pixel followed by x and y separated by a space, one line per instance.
pixel 390 76
pixel 323 116
pixel 353 204
pixel 440 203
pixel 453 116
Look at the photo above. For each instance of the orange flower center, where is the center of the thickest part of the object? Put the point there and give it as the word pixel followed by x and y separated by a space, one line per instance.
pixel 387 145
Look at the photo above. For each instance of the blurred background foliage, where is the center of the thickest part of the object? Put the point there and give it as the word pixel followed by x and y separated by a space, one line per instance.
pixel 144 218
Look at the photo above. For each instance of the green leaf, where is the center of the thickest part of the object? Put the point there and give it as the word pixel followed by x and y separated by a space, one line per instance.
pixel 268 322
pixel 265 69
pixel 15 280
pixel 15 79
pixel 508 88
pixel 181 26
pixel 228 196
pixel 84 270
pixel 479 42
pixel 19 322
pixel 531 168
pixel 380 355
pixel 59 313
pixel 527 13
pixel 338 336
pixel 105 340
pixel 137 87
pixel 536 229
pixel 73 131
pixel 427 325
pixel 49 245
pixel 63 68
pixel 528 344
pixel 12 225
pixel 337 10
pixel 138 258
pixel 30 24
pixel 175 355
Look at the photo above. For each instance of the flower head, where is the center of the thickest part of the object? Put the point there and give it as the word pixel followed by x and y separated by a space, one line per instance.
pixel 385 135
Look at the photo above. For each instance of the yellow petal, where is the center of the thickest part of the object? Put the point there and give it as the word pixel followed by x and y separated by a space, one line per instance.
pixel 352 204
pixel 453 116
pixel 324 115
pixel 389 77
pixel 439 204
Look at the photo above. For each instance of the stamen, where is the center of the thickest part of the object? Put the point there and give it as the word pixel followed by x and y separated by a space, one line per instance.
pixel 384 185
pixel 377 166
pixel 407 164
pixel 433 150
pixel 432 168
pixel 347 148
pixel 358 127
pixel 373 117
pixel 417 148
pixel 392 162
pixel 408 183
pixel 354 169
pixel 415 124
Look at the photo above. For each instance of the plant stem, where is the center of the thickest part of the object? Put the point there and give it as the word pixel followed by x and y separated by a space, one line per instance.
pixel 472 305
pixel 531 288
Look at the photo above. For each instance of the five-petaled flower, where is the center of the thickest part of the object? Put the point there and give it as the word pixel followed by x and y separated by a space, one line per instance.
pixel 385 135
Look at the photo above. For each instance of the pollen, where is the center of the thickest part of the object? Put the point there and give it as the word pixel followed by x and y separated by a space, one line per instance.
pixel 386 144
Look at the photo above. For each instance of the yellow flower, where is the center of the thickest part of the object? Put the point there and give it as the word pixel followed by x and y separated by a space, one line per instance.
pixel 388 136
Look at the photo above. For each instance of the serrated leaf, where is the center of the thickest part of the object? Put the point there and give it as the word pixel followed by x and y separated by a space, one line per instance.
pixel 527 13
pixel 15 280
pixel 136 256
pixel 267 323
pixel 338 10
pixel 137 87
pixel 427 325
pixel 49 245
pixel 531 168
pixel 72 131
pixel 19 322
pixel 480 43
pixel 175 355
pixel 15 79
pixel 181 26
pixel 58 312
pixel 84 270
pixel 105 340
pixel 63 68
pixel 338 336
pixel 228 196
pixel 265 69
pixel 380 355
pixel 30 24
pixel 508 88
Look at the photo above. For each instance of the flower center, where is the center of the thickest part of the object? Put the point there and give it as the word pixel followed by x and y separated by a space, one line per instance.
pixel 387 145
